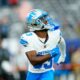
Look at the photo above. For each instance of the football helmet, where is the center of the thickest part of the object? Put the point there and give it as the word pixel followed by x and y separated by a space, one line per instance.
pixel 37 20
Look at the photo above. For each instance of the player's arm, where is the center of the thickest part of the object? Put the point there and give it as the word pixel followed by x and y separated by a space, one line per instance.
pixel 62 47
pixel 34 59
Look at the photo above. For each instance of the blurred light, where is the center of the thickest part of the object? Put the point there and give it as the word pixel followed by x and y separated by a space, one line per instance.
pixel 25 7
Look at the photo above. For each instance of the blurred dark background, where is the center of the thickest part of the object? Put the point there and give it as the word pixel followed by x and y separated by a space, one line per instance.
pixel 13 63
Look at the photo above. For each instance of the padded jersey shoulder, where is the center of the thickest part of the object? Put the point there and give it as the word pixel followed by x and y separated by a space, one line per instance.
pixel 56 32
pixel 25 38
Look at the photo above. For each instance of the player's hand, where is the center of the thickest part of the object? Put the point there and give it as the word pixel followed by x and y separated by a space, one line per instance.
pixel 61 59
pixel 54 52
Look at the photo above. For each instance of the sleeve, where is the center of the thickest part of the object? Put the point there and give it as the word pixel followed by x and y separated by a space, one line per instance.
pixel 26 43
pixel 62 45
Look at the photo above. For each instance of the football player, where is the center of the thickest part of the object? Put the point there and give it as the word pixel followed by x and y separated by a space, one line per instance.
pixel 42 43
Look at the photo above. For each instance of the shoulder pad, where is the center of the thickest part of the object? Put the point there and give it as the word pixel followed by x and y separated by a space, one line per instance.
pixel 53 24
pixel 56 32
pixel 23 40
pixel 29 34
pixel 56 25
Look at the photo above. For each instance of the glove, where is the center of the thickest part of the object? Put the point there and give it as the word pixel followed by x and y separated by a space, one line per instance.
pixel 61 59
pixel 54 52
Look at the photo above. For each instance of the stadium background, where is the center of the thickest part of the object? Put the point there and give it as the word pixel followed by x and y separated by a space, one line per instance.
pixel 12 25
